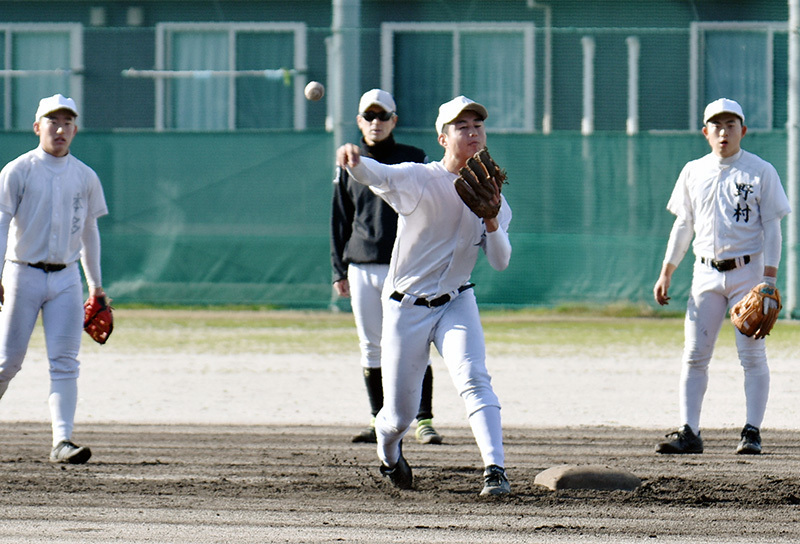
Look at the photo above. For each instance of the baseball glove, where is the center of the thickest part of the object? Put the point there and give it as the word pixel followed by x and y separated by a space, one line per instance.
pixel 479 184
pixel 98 319
pixel 756 313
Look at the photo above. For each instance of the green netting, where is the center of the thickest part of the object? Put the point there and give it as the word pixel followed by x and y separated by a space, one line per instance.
pixel 243 218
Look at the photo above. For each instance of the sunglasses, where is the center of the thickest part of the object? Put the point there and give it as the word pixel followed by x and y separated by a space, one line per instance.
pixel 370 116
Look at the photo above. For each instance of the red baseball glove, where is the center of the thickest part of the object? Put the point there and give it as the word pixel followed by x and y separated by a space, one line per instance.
pixel 98 319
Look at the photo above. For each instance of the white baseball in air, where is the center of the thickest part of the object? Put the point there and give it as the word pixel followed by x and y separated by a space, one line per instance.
pixel 314 90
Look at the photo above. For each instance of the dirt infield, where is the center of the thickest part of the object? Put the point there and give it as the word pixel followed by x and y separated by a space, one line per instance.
pixel 234 433
pixel 302 484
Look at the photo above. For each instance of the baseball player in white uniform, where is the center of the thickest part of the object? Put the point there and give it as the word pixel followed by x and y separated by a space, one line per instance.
pixel 363 229
pixel 731 202
pixel 428 298
pixel 49 205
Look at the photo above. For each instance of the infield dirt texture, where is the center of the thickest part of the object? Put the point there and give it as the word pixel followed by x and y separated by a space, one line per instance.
pixel 234 429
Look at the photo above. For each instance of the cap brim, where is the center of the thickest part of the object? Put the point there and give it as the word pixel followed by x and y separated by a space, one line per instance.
pixel 381 106
pixel 63 108
pixel 474 106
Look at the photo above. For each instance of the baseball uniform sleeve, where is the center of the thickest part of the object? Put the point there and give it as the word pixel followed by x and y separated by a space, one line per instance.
pixel 680 203
pixel 498 249
pixel 774 204
pixel 97 198
pixel 679 240
pixel 5 221
pixel 397 184
pixel 10 187
pixel 496 245
pixel 90 253
pixel 772 243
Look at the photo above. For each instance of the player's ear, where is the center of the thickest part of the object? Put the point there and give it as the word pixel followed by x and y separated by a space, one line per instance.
pixel 442 140
pixel 744 130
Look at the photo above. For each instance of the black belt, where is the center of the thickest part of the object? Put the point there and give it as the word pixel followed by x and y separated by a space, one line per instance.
pixel 48 267
pixel 434 303
pixel 724 266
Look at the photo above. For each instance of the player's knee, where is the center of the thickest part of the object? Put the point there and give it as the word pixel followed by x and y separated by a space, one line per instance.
pixel 753 363
pixel 10 368
pixel 393 424
pixel 64 368
pixel 477 398
pixel 697 362
pixel 697 354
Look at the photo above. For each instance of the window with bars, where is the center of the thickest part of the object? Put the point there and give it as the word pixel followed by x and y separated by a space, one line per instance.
pixel 736 60
pixel 38 60
pixel 427 64
pixel 216 76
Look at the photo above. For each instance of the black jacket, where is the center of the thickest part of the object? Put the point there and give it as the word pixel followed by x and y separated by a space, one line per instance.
pixel 363 226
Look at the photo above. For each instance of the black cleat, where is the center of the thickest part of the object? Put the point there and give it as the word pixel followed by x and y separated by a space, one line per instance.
pixel 684 441
pixel 67 452
pixel 400 474
pixel 751 441
pixel 495 481
pixel 366 436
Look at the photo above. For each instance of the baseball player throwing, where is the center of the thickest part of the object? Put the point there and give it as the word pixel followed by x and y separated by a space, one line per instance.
pixel 363 228
pixel 731 202
pixel 49 205
pixel 427 296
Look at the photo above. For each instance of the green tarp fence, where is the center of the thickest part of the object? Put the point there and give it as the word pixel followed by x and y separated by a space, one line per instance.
pixel 243 217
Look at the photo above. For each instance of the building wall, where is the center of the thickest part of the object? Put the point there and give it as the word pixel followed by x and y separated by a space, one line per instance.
pixel 117 38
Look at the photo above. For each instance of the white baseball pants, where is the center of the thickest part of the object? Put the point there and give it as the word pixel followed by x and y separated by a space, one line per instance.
pixel 456 331
pixel 366 284
pixel 59 297
pixel 712 294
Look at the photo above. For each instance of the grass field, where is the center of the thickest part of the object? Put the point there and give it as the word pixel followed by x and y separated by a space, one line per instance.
pixel 265 366
pixel 507 332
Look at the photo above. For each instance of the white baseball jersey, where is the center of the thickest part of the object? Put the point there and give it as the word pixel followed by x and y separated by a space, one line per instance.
pixel 50 199
pixel 727 200
pixel 434 254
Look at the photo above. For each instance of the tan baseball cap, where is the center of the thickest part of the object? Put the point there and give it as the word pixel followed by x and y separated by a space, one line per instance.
pixel 452 109
pixel 722 105
pixel 54 103
pixel 377 97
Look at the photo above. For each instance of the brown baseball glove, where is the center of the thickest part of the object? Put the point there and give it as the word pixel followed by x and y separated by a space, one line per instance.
pixel 479 184
pixel 757 312
pixel 98 319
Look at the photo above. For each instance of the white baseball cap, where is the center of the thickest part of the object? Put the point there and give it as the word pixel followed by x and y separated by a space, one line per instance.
pixel 450 110
pixel 722 105
pixel 54 103
pixel 377 97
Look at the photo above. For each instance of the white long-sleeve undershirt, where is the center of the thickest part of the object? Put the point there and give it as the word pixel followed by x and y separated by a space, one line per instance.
pixel 90 254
